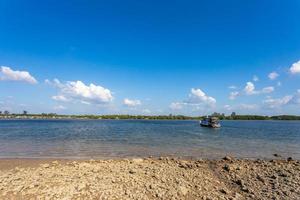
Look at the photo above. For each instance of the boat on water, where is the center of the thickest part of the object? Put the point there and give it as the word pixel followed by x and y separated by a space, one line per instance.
pixel 211 122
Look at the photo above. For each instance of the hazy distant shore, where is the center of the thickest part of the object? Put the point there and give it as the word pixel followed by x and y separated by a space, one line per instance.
pixel 149 178
pixel 147 117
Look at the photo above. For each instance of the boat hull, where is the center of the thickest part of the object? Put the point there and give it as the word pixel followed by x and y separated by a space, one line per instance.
pixel 210 125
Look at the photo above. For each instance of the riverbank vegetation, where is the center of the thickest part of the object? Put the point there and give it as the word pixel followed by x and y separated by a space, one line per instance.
pixel 233 116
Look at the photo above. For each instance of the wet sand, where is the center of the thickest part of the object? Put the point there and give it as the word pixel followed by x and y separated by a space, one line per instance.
pixel 149 178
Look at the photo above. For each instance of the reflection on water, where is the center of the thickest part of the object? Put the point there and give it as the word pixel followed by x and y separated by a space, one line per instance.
pixel 127 138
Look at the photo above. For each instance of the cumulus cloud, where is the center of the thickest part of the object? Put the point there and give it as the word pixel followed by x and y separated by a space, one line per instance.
pixel 233 95
pixel 232 87
pixel 278 83
pixel 85 102
pixel 295 68
pixel 276 103
pixel 267 90
pixel 273 75
pixel 228 107
pixel 293 99
pixel 131 103
pixel 197 96
pixel 250 89
pixel 60 98
pixel 255 78
pixel 47 81
pixel 176 105
pixel 55 82
pixel 78 91
pixel 241 107
pixel 197 99
pixel 7 74
pixel 296 98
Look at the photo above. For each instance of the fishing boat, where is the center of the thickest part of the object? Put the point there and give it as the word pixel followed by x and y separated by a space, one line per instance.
pixel 211 122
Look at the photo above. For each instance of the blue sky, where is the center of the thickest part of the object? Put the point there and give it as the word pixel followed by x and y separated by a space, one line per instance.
pixel 150 57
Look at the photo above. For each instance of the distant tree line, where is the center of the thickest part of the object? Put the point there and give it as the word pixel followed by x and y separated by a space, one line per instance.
pixel 234 116
pixel 221 116
pixel 5 112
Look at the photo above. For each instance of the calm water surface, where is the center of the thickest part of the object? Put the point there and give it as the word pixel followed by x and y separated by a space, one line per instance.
pixel 129 138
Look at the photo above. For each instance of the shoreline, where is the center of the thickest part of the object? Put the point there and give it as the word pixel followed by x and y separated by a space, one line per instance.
pixel 12 162
pixel 136 119
pixel 149 178
pixel 233 116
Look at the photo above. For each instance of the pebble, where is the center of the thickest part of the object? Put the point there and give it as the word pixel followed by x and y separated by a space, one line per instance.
pixel 55 162
pixel 227 167
pixel 228 158
pixel 240 182
pixel 183 190
pixel 45 165
pixel 224 191
pixel 289 159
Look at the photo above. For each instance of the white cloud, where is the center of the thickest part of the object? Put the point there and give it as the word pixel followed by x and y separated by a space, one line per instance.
pixel 85 102
pixel 55 82
pixel 250 89
pixel 267 90
pixel 286 100
pixel 197 99
pixel 228 107
pixel 7 74
pixel 233 95
pixel 273 75
pixel 78 91
pixel 60 98
pixel 278 83
pixel 176 105
pixel 295 68
pixel 232 87
pixel 131 103
pixel 240 107
pixel 276 103
pixel 296 98
pixel 197 96
pixel 59 107
pixel 255 78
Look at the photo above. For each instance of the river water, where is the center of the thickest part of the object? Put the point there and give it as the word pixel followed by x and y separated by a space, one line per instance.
pixel 133 138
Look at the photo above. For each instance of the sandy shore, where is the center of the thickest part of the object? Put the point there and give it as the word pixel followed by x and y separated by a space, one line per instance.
pixel 149 178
